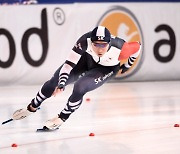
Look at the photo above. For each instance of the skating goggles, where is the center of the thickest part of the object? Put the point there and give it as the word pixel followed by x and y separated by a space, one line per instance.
pixel 100 45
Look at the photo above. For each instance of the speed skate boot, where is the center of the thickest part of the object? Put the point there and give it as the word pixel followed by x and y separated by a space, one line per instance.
pixel 53 123
pixel 23 113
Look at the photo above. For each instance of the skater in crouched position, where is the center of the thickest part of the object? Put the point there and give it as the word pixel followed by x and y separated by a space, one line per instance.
pixel 94 60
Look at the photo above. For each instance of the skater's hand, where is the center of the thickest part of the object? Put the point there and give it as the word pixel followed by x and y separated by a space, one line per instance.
pixel 123 68
pixel 57 91
pixel 61 86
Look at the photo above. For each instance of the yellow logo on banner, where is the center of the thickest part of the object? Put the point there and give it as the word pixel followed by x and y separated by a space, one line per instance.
pixel 122 23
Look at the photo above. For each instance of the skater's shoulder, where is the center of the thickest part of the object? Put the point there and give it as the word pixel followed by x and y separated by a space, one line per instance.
pixel 84 37
pixel 117 42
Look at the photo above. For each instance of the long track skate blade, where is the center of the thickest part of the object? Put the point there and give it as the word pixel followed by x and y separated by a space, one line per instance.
pixel 45 129
pixel 7 121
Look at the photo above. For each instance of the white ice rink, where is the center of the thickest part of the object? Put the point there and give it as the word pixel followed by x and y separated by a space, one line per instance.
pixel 126 118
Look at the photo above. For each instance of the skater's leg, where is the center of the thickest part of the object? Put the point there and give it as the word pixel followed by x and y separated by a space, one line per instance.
pixel 46 90
pixel 92 80
pixel 44 93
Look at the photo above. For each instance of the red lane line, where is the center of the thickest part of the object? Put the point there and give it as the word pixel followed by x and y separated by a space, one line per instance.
pixel 76 137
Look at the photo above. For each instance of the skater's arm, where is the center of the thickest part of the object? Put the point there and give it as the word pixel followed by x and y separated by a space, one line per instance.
pixel 69 64
pixel 72 60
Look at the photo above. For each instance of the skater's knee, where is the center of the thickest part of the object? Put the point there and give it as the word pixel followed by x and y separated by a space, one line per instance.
pixel 79 89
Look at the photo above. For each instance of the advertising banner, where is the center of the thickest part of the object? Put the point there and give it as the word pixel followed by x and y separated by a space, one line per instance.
pixel 36 39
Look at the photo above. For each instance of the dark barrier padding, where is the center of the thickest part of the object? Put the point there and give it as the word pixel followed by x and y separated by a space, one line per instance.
pixel 75 1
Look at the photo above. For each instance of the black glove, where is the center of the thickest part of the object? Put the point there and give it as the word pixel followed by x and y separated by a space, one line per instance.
pixel 123 68
pixel 61 86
